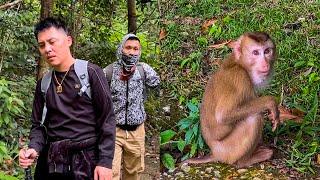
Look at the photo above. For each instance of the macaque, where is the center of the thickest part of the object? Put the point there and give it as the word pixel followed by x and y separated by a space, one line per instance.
pixel 231 114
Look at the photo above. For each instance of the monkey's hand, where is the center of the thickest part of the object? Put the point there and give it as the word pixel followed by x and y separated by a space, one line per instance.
pixel 273 109
pixel 274 115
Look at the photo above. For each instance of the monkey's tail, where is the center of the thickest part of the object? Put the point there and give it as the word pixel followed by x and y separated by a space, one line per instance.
pixel 205 159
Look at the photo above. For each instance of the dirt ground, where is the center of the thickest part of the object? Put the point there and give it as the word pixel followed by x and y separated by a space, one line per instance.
pixel 152 157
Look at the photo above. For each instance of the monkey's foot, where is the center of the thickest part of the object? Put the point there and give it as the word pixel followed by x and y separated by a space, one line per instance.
pixel 200 160
pixel 261 154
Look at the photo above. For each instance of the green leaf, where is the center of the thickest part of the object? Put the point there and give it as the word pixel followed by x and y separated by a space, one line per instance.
pixel 189 135
pixel 193 149
pixel 166 136
pixel 186 156
pixel 311 170
pixel 3 148
pixel 184 62
pixel 227 19
pixel 299 64
pixel 181 144
pixel 192 107
pixel 168 161
pixel 19 102
pixel 5 118
pixel 195 129
pixel 200 141
pixel 3 176
pixel 184 123
pixel 312 113
pixel 181 99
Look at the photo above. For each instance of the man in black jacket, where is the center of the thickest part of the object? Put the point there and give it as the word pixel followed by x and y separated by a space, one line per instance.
pixel 76 140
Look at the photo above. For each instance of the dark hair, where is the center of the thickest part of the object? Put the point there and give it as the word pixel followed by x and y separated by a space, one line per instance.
pixel 259 37
pixel 48 23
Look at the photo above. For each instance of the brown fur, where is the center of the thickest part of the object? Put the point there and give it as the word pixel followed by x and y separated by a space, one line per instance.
pixel 231 114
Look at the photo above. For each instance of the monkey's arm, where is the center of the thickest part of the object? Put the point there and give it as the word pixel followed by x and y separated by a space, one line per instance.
pixel 253 106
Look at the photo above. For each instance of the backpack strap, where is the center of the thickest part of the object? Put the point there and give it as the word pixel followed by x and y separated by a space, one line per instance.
pixel 108 72
pixel 81 69
pixel 45 83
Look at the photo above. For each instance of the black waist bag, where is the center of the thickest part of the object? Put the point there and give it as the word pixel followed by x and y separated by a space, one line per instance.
pixel 59 160
pixel 60 154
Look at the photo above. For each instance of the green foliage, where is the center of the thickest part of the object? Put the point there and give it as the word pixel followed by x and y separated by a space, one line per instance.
pixel 193 61
pixel 168 161
pixel 17 50
pixel 166 136
pixel 306 147
pixel 103 24
pixel 3 176
pixel 215 31
pixel 10 106
pixel 189 129
pixel 11 109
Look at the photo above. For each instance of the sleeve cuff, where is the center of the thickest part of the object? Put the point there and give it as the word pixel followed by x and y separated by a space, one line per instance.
pixel 105 161
pixel 35 147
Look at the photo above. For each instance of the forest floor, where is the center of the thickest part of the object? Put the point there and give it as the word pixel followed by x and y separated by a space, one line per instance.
pixel 152 156
pixel 275 168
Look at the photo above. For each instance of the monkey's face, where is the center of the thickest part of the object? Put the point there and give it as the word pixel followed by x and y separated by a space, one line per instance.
pixel 259 58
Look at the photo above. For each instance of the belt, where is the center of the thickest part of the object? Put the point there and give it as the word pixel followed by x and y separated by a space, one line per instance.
pixel 128 127
pixel 76 145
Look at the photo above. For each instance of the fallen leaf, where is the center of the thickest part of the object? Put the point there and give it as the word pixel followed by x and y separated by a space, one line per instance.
pixel 286 114
pixel 297 112
pixel 219 45
pixel 162 34
pixel 318 159
pixel 8 162
pixel 207 24
pixel 308 71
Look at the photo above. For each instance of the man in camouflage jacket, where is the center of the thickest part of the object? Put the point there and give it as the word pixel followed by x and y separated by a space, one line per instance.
pixel 128 84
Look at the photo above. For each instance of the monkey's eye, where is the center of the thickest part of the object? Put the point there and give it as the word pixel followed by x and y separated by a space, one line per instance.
pixel 255 52
pixel 267 51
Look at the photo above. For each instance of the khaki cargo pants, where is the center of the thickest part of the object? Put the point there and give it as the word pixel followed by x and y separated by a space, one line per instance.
pixel 129 151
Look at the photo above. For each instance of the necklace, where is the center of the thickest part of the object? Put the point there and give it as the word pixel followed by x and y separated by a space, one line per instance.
pixel 59 87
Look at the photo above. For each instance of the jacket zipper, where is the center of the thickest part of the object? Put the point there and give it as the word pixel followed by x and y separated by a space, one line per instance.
pixel 127 103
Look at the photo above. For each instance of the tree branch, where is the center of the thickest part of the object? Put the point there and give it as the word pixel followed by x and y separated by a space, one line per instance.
pixel 10 5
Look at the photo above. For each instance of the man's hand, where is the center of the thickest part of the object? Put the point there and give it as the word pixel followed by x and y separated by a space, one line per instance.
pixel 27 157
pixel 102 173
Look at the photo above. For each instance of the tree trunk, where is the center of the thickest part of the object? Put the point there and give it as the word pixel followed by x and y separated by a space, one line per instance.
pixel 73 27
pixel 76 23
pixel 46 8
pixel 132 16
pixel 46 11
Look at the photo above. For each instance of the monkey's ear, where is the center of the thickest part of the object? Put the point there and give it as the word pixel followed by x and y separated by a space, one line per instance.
pixel 232 44
pixel 236 48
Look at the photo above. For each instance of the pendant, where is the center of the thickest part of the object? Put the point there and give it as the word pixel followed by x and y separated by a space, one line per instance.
pixel 59 89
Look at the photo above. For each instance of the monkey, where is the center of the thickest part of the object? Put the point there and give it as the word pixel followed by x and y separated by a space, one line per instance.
pixel 231 112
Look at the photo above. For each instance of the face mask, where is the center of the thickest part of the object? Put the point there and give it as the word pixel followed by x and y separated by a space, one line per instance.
pixel 128 61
